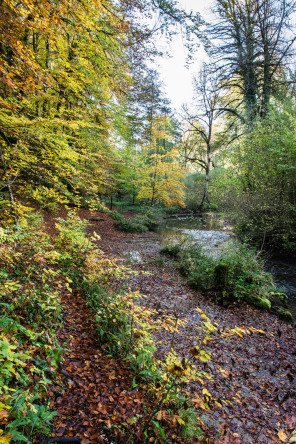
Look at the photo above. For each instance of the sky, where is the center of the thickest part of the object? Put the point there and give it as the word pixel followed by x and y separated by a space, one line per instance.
pixel 177 79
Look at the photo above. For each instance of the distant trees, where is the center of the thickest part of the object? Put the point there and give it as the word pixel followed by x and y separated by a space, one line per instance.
pixel 264 160
pixel 150 167
pixel 159 174
pixel 251 45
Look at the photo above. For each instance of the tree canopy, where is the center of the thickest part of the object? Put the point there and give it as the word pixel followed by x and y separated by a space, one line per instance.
pixel 74 87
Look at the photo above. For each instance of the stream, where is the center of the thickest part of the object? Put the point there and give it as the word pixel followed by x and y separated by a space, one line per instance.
pixel 215 234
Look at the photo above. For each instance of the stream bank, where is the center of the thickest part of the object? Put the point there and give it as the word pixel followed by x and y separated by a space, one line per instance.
pixel 214 233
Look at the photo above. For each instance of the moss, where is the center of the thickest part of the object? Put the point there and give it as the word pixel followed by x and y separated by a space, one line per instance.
pixel 285 315
pixel 264 303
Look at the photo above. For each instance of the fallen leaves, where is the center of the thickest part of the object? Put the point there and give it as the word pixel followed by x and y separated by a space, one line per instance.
pixel 98 390
pixel 3 416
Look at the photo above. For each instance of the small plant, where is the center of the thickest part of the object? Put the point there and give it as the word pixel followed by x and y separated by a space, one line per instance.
pixel 171 250
pixel 115 215
pixel 158 261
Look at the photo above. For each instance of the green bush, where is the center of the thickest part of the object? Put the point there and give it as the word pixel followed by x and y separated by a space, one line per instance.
pixel 115 215
pixel 237 274
pixel 171 250
pixel 139 224
pixel 130 227
pixel 198 267
pixel 244 277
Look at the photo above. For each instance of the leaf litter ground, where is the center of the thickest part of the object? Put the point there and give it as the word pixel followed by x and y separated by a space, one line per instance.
pixel 253 377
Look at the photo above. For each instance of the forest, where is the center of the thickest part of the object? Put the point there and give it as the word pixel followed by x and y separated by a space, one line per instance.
pixel 106 334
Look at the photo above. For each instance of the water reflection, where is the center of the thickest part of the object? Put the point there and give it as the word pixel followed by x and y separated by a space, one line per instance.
pixel 210 230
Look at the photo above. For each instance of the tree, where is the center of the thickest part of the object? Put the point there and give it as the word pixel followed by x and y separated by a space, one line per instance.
pixel 264 163
pixel 52 57
pixel 198 150
pixel 252 40
pixel 159 174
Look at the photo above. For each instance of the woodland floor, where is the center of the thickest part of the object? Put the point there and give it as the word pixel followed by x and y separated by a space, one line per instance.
pixel 258 371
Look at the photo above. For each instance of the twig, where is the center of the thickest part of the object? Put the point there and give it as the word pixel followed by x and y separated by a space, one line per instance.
pixel 262 245
pixel 70 440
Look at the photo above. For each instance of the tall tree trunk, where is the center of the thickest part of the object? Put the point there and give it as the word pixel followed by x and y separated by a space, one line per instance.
pixel 208 168
pixel 12 203
pixel 47 59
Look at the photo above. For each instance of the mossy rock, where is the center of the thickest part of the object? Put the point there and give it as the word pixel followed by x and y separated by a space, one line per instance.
pixel 285 315
pixel 259 302
pixel 278 299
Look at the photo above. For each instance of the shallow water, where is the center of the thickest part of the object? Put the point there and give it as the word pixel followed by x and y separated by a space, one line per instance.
pixel 211 231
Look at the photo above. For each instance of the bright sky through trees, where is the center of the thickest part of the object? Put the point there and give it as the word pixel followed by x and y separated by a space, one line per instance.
pixel 176 77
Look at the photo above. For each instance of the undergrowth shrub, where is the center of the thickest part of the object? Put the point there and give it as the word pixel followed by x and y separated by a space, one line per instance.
pixel 236 274
pixel 30 283
pixel 48 199
pixel 139 224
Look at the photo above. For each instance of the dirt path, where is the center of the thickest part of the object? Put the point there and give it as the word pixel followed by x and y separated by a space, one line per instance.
pixel 97 388
pixel 254 377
